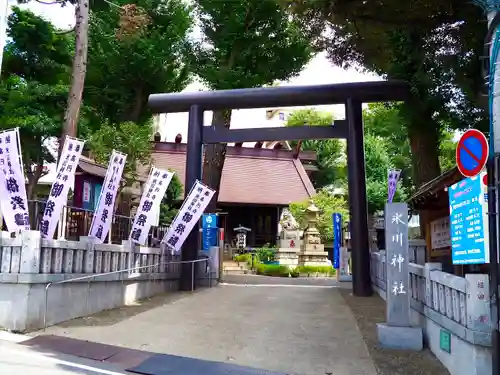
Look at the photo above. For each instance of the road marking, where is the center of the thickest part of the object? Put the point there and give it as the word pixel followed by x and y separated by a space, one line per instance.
pixel 41 356
pixel 283 285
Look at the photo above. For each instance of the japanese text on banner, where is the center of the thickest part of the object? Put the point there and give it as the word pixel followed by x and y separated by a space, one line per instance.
pixel 58 196
pixel 101 222
pixel 14 201
pixel 156 188
pixel 189 214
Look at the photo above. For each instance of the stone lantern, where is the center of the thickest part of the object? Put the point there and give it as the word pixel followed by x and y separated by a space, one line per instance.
pixel 312 250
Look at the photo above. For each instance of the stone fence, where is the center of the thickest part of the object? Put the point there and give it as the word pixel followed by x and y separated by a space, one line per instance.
pixel 29 263
pixel 453 311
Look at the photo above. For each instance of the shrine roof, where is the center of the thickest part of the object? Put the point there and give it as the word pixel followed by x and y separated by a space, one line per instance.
pixel 249 176
pixel 428 195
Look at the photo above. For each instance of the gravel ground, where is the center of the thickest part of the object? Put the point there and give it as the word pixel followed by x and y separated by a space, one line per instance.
pixel 370 311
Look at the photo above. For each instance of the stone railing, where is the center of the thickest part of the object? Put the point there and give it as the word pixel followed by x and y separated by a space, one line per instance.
pixel 28 264
pixel 30 254
pixel 446 305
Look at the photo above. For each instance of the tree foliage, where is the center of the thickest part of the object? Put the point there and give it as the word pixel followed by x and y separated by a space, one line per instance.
pixel 128 138
pixel 125 69
pixel 168 207
pixel 34 87
pixel 328 204
pixel 243 43
pixel 384 120
pixel 330 153
pixel 434 45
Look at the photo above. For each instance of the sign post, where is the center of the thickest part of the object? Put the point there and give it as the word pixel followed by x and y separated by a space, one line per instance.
pixel 397 333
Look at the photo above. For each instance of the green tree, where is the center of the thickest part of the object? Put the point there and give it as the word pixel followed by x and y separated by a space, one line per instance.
pixel 328 204
pixel 125 68
pixel 168 207
pixel 244 43
pixel 377 163
pixel 385 120
pixel 131 139
pixel 329 152
pixel 434 45
pixel 34 88
pixel 135 141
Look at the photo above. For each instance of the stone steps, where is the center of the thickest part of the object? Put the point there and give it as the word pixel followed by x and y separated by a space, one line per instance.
pixel 233 268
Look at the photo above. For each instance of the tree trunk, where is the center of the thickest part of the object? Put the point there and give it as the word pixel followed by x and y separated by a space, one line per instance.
pixel 214 158
pixel 424 143
pixel 136 109
pixel 78 72
pixel 33 178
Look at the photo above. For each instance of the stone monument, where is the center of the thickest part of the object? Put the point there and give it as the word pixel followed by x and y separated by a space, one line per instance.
pixel 287 253
pixel 312 251
pixel 397 333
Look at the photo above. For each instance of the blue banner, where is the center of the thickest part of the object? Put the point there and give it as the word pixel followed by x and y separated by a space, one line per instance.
pixel 209 231
pixel 337 237
pixel 469 221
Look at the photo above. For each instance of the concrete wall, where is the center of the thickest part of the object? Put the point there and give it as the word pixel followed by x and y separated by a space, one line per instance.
pixel 465 358
pixel 22 304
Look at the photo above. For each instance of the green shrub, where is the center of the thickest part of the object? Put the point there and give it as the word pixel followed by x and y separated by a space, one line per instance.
pixel 265 253
pixel 241 258
pixel 311 270
pixel 272 270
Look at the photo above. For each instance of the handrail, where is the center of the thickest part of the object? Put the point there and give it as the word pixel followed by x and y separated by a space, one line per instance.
pixel 91 277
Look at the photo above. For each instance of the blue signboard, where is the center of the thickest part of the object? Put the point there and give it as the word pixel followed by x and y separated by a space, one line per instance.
pixel 209 221
pixel 337 236
pixel 209 231
pixel 469 221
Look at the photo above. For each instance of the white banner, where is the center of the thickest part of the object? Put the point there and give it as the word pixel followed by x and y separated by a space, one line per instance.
pixel 13 199
pixel 58 196
pixel 155 189
pixel 103 216
pixel 191 210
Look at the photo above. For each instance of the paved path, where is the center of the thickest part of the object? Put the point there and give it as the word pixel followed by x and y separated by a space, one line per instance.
pixel 303 330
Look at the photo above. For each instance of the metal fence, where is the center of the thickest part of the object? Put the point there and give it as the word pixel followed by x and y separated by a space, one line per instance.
pixel 76 222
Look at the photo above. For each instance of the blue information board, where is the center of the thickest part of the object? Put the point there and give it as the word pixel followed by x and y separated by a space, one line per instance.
pixel 209 231
pixel 337 235
pixel 469 221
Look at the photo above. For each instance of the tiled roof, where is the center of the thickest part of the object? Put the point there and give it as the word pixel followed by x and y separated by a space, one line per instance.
pixel 273 178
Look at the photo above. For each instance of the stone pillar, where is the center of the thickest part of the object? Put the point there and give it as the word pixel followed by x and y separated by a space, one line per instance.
pixel 397 333
pixel 31 251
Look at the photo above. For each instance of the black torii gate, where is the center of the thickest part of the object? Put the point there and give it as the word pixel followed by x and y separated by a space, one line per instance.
pixel 352 95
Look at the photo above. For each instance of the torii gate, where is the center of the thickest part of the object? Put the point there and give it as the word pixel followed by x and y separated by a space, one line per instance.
pixel 352 95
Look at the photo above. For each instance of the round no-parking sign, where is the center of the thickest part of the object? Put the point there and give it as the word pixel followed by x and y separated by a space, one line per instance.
pixel 472 153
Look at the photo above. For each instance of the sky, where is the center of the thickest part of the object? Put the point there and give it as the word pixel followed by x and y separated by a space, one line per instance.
pixel 318 71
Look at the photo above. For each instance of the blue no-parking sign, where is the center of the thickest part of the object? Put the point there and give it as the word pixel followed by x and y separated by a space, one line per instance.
pixel 472 153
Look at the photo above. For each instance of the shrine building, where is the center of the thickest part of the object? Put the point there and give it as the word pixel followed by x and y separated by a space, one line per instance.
pixel 257 183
